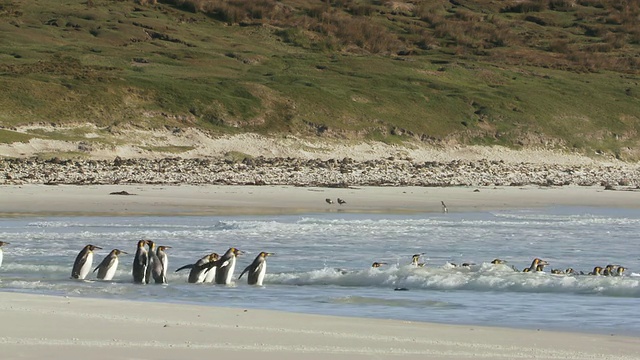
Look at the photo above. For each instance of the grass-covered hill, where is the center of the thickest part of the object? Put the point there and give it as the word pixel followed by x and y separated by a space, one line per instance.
pixel 554 73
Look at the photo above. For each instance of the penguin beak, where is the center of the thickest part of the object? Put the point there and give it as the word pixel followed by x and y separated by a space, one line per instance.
pixel 97 247
pixel 167 247
pixel 543 262
pixel 124 252
pixel 238 252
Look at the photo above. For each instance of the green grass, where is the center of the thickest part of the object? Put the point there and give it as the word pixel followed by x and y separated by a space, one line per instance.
pixel 119 63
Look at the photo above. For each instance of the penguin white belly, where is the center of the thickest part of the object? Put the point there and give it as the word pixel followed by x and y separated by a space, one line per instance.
pixel 232 268
pixel 165 265
pixel 111 271
pixel 261 273
pixel 209 276
pixel 86 267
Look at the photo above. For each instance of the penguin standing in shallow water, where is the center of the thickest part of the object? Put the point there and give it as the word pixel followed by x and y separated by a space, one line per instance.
pixel 202 269
pixel 84 262
pixel 140 263
pixel 164 261
pixel 2 243
pixel 257 269
pixel 109 265
pixel 226 266
pixel 154 266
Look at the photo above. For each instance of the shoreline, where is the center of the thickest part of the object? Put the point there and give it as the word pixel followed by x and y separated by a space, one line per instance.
pixel 129 329
pixel 144 330
pixel 228 200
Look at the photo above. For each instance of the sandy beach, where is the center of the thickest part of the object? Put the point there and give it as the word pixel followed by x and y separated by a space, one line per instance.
pixel 30 200
pixel 37 326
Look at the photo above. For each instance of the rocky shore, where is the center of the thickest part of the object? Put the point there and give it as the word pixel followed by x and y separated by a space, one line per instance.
pixel 314 172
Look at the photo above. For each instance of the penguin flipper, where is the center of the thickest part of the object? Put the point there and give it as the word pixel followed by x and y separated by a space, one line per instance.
pixel 189 266
pixel 244 271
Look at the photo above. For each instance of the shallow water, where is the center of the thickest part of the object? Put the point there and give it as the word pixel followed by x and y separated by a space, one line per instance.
pixel 323 264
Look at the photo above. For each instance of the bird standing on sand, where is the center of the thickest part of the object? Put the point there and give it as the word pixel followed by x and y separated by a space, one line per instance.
pixel 444 207
pixel 2 243
pixel 84 261
pixel 341 202
pixel 329 201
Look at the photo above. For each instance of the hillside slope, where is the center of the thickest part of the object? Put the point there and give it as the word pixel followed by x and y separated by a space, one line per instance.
pixel 552 74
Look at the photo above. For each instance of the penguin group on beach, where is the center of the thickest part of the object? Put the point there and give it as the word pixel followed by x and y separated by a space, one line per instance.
pixel 151 262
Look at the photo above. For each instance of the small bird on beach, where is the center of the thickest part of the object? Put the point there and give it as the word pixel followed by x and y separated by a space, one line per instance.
pixel 341 202
pixel 329 201
pixel 444 207
pixel 2 243
pixel 84 261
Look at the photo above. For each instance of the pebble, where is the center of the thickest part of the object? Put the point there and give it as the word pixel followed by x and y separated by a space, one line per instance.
pixel 312 172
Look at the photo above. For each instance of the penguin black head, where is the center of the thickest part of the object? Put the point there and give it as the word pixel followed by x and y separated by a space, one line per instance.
pixel 264 254
pixel 118 252
pixel 620 270
pixel 236 252
pixel 2 243
pixel 498 261
pixel 142 243
pixel 93 247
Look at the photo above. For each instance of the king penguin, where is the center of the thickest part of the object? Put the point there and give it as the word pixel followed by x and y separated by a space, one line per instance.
pixel 226 266
pixel 154 266
pixel 257 269
pixel 202 269
pixel 83 263
pixel 109 265
pixel 164 260
pixel 140 263
pixel 2 243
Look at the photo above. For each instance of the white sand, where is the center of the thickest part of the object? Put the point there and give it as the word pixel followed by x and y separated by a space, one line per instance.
pixel 24 200
pixel 44 327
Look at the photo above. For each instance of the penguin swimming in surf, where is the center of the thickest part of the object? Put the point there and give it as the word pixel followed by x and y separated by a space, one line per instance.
pixel 202 270
pixel 257 269
pixel 2 243
pixel 226 266
pixel 109 265
pixel 83 263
